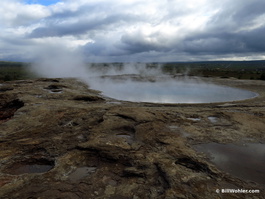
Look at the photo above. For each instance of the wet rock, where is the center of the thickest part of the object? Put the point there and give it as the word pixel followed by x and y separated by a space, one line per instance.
pixel 81 172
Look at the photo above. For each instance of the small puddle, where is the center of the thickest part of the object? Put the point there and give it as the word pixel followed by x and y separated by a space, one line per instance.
pixel 246 162
pixel 55 91
pixel 34 168
pixel 178 130
pixel 124 135
pixel 114 102
pixel 31 167
pixel 212 119
pixel 194 119
pixel 81 172
pixel 55 88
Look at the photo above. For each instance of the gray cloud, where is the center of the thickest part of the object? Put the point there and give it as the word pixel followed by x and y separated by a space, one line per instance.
pixel 247 41
pixel 117 30
pixel 81 26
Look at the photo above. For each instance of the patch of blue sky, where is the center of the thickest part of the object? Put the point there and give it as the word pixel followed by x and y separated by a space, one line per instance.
pixel 42 2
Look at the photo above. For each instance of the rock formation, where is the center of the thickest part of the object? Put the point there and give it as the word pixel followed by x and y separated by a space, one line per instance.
pixel 60 139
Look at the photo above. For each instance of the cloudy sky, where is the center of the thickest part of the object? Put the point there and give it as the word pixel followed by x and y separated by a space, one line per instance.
pixel 134 30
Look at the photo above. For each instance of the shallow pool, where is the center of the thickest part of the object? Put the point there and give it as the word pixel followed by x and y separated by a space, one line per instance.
pixel 170 91
pixel 243 161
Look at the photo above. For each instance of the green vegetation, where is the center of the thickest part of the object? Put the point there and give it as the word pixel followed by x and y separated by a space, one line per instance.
pixel 237 69
pixel 14 71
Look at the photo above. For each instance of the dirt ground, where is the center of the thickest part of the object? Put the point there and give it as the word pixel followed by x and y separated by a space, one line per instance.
pixel 60 139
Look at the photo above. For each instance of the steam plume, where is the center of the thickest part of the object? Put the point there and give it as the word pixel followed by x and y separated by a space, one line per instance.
pixel 132 82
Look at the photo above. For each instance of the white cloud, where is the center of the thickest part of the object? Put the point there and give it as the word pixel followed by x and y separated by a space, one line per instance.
pixel 135 29
pixel 14 13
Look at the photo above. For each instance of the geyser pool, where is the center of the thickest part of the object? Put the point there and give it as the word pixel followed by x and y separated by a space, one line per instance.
pixel 168 90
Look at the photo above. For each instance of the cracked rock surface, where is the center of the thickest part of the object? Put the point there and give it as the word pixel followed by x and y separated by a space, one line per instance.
pixel 60 139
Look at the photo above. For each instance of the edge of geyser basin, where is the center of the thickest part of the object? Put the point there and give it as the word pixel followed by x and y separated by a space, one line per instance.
pixel 255 95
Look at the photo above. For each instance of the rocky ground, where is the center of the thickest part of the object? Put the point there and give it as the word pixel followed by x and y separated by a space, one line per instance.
pixel 60 139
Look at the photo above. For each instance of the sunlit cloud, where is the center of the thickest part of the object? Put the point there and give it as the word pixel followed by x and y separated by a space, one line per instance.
pixel 167 30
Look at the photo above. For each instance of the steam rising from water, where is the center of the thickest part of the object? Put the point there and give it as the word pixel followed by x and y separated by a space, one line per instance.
pixel 133 82
pixel 55 61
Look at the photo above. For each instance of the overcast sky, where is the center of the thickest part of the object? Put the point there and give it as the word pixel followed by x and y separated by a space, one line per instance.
pixel 134 30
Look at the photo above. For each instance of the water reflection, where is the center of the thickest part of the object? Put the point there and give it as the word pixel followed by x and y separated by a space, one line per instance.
pixel 30 166
pixel 246 162
pixel 170 91
pixel 81 172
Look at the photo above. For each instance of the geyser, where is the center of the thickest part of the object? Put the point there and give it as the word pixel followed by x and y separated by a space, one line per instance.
pixel 168 90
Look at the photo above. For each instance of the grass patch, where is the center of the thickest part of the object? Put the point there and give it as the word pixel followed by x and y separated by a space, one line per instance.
pixel 15 71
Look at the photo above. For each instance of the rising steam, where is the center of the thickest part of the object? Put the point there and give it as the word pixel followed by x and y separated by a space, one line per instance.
pixel 55 61
pixel 131 81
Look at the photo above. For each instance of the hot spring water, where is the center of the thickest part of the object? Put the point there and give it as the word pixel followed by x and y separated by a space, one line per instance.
pixel 168 90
